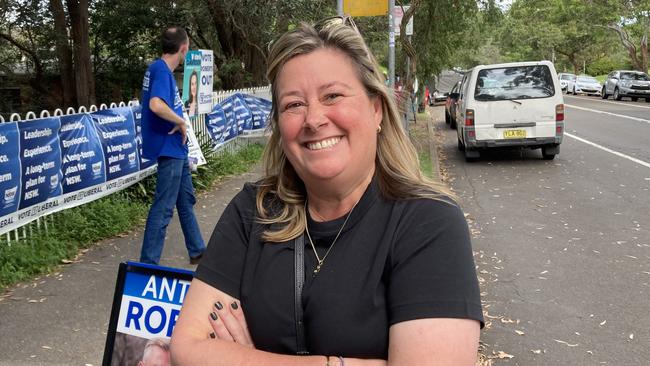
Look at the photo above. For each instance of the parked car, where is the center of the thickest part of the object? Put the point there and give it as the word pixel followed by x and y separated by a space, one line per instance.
pixel 514 104
pixel 585 84
pixel 565 78
pixel 625 83
pixel 437 97
pixel 450 106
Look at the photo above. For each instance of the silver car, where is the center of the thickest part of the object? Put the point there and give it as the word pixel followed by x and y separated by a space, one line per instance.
pixel 624 83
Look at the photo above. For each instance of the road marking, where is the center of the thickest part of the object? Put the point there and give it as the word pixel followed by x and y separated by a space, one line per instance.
pixel 608 113
pixel 610 102
pixel 641 162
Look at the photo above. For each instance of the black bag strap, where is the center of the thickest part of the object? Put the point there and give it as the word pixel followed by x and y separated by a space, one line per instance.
pixel 299 264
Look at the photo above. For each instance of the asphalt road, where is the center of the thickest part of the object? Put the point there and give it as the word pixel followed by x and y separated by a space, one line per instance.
pixel 564 245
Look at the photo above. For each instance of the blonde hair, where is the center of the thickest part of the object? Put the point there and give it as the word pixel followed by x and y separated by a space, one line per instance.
pixel 396 162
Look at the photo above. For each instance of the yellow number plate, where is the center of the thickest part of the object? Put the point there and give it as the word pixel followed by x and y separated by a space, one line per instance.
pixel 514 134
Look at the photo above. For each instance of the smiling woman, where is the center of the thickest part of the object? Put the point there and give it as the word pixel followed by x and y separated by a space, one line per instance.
pixel 390 274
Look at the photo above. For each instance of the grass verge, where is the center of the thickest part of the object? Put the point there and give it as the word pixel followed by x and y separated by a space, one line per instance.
pixel 78 228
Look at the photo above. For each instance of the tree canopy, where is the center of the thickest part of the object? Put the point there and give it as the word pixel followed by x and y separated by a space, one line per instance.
pixel 56 53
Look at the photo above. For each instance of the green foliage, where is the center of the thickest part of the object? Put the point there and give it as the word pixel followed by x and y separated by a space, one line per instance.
pixel 74 229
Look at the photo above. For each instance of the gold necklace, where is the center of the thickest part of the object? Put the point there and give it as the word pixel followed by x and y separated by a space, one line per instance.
pixel 313 247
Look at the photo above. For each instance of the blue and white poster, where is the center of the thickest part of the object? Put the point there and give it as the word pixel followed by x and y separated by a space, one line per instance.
pixel 241 112
pixel 116 131
pixel 146 304
pixel 9 170
pixel 137 119
pixel 260 110
pixel 83 158
pixel 40 159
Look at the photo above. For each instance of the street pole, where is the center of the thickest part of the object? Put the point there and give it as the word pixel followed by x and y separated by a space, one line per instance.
pixel 391 44
pixel 339 7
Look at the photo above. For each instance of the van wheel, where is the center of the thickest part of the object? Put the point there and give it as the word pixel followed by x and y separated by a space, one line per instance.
pixel 549 152
pixel 461 147
pixel 471 155
pixel 603 94
pixel 647 100
pixel 617 96
pixel 634 99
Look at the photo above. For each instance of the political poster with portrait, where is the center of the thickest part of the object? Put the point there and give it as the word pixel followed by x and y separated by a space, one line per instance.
pixel 146 304
pixel 191 80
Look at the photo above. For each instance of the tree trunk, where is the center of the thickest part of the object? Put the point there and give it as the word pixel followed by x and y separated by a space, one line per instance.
pixel 631 48
pixel 37 82
pixel 64 53
pixel 644 53
pixel 84 78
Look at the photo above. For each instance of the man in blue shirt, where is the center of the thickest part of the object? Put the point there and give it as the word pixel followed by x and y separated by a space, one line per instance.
pixel 164 138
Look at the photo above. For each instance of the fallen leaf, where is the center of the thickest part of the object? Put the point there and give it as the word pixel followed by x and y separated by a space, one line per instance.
pixel 46 347
pixel 519 332
pixel 632 336
pixel 603 322
pixel 503 355
pixel 568 344
pixel 536 351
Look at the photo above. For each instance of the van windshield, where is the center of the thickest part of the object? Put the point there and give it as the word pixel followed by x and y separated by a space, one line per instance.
pixel 519 82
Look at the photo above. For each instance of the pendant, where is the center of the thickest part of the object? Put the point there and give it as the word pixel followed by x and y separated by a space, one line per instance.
pixel 320 263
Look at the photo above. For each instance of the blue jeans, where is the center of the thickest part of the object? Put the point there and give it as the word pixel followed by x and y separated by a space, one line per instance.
pixel 173 188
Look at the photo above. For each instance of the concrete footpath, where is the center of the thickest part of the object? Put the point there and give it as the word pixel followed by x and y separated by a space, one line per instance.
pixel 62 318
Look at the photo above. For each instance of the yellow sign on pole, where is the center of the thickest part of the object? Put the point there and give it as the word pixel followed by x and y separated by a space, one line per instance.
pixel 365 8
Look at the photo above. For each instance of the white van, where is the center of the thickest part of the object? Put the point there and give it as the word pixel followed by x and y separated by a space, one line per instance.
pixel 513 104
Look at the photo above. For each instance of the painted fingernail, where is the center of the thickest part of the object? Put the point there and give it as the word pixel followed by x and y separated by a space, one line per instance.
pixel 234 305
pixel 218 305
pixel 213 315
pixel 212 335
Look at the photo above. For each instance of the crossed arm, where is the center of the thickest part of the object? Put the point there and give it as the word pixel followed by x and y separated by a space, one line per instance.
pixel 439 341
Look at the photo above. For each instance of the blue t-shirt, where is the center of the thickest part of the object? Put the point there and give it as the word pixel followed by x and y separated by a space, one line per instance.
pixel 159 82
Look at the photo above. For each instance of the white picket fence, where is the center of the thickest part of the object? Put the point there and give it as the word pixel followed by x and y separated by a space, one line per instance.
pixel 198 123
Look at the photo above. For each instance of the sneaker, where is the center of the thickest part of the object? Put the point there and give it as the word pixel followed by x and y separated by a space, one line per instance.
pixel 197 259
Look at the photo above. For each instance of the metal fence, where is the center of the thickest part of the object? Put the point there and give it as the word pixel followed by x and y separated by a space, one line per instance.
pixel 198 124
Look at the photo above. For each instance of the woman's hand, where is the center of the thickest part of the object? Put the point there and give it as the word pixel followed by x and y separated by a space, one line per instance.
pixel 229 323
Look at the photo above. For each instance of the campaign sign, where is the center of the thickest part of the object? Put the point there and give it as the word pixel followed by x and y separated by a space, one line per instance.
pixel 40 159
pixel 137 119
pixel 9 169
pixel 146 304
pixel 116 130
pixel 83 158
pixel 191 80
pixel 260 110
pixel 205 86
pixel 241 112
pixel 216 124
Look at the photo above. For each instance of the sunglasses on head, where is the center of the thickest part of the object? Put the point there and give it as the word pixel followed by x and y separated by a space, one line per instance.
pixel 336 20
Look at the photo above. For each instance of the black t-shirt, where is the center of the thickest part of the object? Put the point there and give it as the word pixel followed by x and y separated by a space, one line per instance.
pixel 394 261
